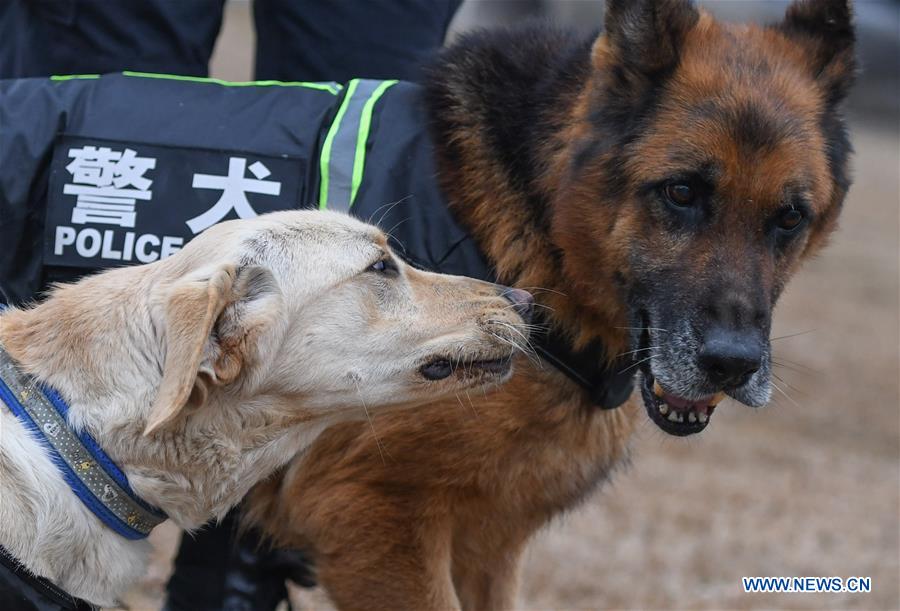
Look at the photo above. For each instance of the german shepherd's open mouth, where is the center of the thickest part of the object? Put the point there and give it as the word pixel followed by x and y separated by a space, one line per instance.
pixel 675 415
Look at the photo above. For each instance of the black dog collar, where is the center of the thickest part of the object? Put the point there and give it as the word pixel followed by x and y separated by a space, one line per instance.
pixel 608 386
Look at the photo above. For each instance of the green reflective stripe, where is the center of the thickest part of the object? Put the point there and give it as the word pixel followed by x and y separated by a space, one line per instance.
pixel 359 159
pixel 343 149
pixel 342 162
pixel 72 77
pixel 325 157
pixel 332 88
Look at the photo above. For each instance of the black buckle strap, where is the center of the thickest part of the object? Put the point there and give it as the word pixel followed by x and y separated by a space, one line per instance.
pixel 608 386
pixel 22 590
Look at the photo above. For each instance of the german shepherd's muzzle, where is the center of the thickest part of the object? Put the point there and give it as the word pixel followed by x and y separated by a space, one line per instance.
pixel 693 349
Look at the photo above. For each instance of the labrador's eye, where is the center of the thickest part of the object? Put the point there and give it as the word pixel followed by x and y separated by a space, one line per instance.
pixel 385 267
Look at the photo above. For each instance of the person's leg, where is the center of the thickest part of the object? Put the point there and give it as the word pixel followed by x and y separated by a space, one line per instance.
pixel 45 37
pixel 343 39
pixel 202 558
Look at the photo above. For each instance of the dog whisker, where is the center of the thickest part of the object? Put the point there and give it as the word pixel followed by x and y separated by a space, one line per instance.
pixel 800 367
pixel 772 339
pixel 644 329
pixel 636 350
pixel 527 350
pixel 797 370
pixel 536 305
pixel 635 364
pixel 475 411
pixel 371 424
pixel 390 206
pixel 526 347
pixel 788 384
pixel 535 289
pixel 517 330
pixel 461 404
pixel 390 232
pixel 533 329
pixel 786 396
pixel 544 306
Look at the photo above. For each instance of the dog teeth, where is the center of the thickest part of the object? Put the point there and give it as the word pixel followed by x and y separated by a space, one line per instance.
pixel 717 398
pixel 663 408
pixel 674 416
pixel 692 417
pixel 702 417
pixel 657 389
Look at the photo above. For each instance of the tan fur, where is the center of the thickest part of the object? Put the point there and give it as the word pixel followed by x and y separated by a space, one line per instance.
pixel 459 493
pixel 190 315
pixel 201 374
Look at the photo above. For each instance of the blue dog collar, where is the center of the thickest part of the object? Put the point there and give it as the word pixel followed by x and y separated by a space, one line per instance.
pixel 90 473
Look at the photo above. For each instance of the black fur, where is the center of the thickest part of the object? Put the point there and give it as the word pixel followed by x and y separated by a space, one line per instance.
pixel 827 25
pixel 839 148
pixel 647 34
pixel 757 130
pixel 513 83
pixel 509 84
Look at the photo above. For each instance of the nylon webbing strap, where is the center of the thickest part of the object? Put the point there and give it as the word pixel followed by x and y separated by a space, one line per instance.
pixel 88 471
pixel 343 155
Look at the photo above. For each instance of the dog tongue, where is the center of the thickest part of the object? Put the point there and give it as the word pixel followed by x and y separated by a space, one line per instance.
pixel 679 403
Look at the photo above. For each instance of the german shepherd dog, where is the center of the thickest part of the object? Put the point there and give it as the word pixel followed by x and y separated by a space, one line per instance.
pixel 664 181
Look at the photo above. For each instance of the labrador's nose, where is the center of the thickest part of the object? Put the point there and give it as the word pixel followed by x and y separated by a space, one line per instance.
pixel 522 301
pixel 729 358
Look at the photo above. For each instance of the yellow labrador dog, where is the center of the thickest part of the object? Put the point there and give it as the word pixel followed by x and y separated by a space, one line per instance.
pixel 199 375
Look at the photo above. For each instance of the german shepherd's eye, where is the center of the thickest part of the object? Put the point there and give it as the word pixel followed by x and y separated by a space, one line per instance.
pixel 385 267
pixel 680 195
pixel 790 220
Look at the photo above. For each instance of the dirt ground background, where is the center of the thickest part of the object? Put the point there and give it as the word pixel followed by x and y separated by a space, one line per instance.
pixel 809 486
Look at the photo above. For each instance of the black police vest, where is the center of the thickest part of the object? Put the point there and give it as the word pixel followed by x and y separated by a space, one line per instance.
pixel 100 171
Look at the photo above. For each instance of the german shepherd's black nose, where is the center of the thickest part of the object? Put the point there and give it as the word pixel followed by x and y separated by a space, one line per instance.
pixel 729 358
pixel 523 302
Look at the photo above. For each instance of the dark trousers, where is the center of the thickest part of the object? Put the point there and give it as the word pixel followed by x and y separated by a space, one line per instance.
pixel 297 40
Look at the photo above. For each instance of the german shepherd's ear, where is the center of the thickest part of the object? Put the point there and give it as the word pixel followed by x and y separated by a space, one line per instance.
pixel 825 29
pixel 645 35
pixel 212 324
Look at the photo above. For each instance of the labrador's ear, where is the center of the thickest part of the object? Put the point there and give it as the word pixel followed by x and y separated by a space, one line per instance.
pixel 211 328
